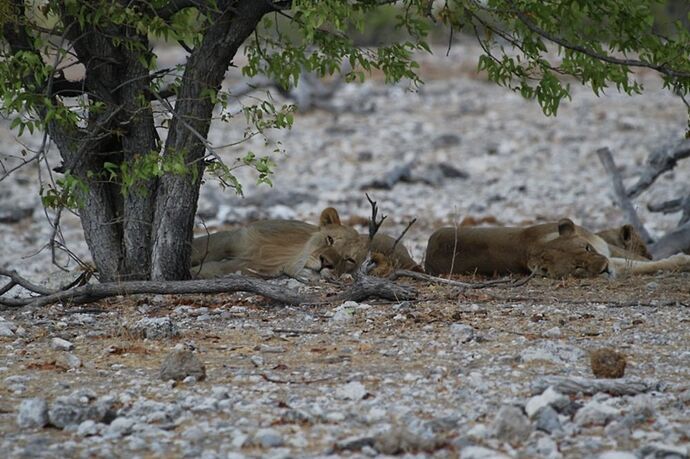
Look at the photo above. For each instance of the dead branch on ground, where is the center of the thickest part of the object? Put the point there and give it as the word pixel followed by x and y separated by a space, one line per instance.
pixel 621 195
pixel 590 386
pixel 363 288
pixel 464 285
pixel 398 173
pixel 660 161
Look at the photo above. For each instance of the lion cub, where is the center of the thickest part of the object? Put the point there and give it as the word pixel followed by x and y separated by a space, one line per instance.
pixel 270 248
pixel 627 238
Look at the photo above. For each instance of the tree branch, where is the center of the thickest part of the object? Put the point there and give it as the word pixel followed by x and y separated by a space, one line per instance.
pixel 659 162
pixel 175 6
pixel 621 196
pixel 663 69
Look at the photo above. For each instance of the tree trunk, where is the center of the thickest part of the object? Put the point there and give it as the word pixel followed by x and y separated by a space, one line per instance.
pixel 145 230
pixel 140 139
pixel 177 196
pixel 116 221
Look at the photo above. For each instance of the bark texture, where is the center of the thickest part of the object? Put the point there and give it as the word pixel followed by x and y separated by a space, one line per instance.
pixel 177 195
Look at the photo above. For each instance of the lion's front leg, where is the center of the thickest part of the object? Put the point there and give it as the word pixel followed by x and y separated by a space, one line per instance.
pixel 678 262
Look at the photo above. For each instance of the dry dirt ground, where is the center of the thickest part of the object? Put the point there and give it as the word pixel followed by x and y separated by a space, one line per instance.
pixel 411 360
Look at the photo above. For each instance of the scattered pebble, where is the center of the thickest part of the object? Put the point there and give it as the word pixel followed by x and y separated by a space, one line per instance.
pixel 511 425
pixel 60 344
pixel 155 328
pixel 354 390
pixel 181 363
pixel 33 412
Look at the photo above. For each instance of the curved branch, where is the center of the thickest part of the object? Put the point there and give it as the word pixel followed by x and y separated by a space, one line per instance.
pixel 363 288
pixel 588 52
pixel 658 163
pixel 16 279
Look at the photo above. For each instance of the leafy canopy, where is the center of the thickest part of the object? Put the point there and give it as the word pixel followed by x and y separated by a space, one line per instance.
pixel 530 46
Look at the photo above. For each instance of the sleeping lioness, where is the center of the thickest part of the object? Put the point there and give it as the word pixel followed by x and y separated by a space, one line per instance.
pixel 554 250
pixel 271 248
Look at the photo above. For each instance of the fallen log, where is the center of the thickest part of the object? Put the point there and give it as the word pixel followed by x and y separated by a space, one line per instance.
pixel 574 384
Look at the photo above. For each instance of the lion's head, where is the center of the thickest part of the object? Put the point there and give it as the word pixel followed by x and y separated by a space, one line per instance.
pixel 335 245
pixel 626 237
pixel 574 251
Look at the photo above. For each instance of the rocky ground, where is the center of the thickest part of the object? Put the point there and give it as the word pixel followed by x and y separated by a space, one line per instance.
pixel 465 373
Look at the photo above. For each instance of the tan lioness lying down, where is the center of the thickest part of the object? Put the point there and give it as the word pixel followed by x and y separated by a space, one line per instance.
pixel 272 248
pixel 554 250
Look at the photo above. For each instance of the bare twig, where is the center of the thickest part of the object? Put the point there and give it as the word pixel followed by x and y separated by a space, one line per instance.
pixel 621 195
pixel 658 163
pixel 402 235
pixel 454 283
pixel 16 279
pixel 374 225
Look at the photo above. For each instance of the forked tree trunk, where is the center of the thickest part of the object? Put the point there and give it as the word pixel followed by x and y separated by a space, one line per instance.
pixel 145 232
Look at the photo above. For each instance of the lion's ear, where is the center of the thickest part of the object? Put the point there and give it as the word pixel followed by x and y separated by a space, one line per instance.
pixel 566 227
pixel 627 232
pixel 329 216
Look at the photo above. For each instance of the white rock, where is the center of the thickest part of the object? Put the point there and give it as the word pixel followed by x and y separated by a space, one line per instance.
pixel 616 455
pixel 550 397
pixel 478 431
pixel 353 390
pixel 479 452
pixel 547 447
pixel 268 438
pixel 60 344
pixel 33 412
pixel 511 425
pixel 462 332
pixel 7 329
pixel 87 428
pixel 595 413
pixel 554 332
pixel 239 439
pixel 120 426
pixel 68 360
pixel 345 311
pixel 552 351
